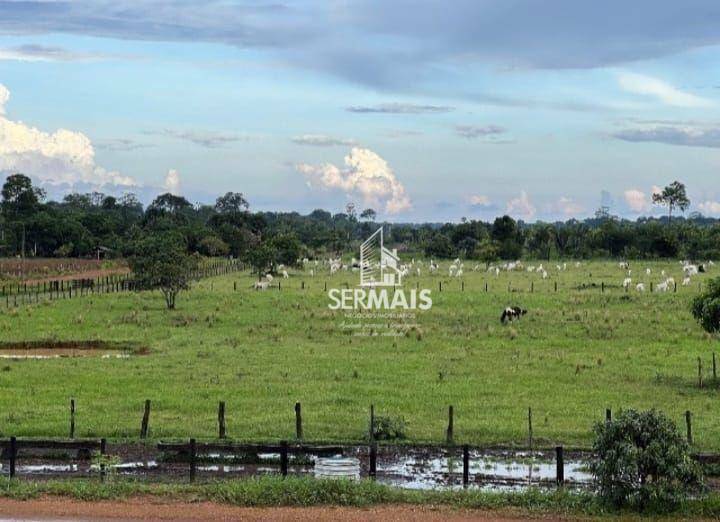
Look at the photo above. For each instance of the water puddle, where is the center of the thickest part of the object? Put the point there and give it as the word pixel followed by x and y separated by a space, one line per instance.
pixel 409 468
pixel 61 349
pixel 513 471
pixel 57 353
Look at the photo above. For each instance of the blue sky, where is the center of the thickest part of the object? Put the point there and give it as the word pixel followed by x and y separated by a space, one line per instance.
pixel 425 111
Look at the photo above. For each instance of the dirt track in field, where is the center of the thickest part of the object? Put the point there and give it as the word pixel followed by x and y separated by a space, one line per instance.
pixel 152 509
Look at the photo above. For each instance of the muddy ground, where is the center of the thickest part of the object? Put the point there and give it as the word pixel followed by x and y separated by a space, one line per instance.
pixel 150 509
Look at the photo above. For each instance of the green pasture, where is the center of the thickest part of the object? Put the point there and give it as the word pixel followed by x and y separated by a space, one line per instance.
pixel 577 352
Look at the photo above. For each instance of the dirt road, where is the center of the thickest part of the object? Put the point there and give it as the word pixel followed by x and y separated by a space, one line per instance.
pixel 152 509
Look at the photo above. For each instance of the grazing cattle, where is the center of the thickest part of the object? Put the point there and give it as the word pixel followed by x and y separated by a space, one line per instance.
pixel 624 265
pixel 511 313
pixel 626 282
pixel 261 285
pixel 690 270
pixel 640 287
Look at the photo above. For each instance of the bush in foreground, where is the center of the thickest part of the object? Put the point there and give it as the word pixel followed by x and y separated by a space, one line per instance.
pixel 643 462
pixel 706 307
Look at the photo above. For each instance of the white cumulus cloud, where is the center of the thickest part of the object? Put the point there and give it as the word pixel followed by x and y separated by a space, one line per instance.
pixel 709 207
pixel 366 175
pixel 62 157
pixel 479 200
pixel 4 97
pixel 664 92
pixel 637 200
pixel 172 182
pixel 521 207
pixel 568 207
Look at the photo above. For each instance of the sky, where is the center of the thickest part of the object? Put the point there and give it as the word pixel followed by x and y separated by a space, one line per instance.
pixel 422 110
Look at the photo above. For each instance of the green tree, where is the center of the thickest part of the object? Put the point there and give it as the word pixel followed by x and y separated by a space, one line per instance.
pixel 642 461
pixel 231 203
pixel 706 307
pixel 288 249
pixel 672 196
pixel 20 200
pixel 487 251
pixel 213 246
pixel 368 214
pixel 160 260
pixel 440 246
pixel 262 258
pixel 19 197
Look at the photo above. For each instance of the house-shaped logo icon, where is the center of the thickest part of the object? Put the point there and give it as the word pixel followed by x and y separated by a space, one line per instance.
pixel 378 265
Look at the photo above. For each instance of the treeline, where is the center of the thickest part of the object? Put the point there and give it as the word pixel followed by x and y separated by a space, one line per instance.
pixel 85 225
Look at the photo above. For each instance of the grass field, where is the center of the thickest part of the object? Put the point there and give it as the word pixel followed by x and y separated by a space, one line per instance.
pixel 577 352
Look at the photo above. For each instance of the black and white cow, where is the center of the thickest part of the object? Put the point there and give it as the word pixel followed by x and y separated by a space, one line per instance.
pixel 511 313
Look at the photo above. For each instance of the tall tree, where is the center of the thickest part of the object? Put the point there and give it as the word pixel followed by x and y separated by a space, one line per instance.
pixel 672 196
pixel 160 260
pixel 231 203
pixel 19 197
pixel 368 214
pixel 20 200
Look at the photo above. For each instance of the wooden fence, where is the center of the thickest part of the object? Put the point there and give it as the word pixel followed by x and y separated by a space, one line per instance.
pixel 12 295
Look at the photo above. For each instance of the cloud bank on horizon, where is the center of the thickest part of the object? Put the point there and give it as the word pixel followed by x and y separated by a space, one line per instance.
pixel 591 102
pixel 62 157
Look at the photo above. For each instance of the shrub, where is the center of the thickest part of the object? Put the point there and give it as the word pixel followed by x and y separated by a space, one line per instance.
pixel 389 428
pixel 643 462
pixel 706 307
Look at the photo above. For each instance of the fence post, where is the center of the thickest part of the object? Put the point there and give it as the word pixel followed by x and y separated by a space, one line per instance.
pixel 700 383
pixel 688 425
pixel 13 455
pixel 608 415
pixel 284 458
pixel 145 420
pixel 193 454
pixel 450 425
pixel 530 431
pixel 298 421
pixel 559 466
pixel 372 422
pixel 72 418
pixel 714 368
pixel 103 449
pixel 466 465
pixel 373 460
pixel 221 420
